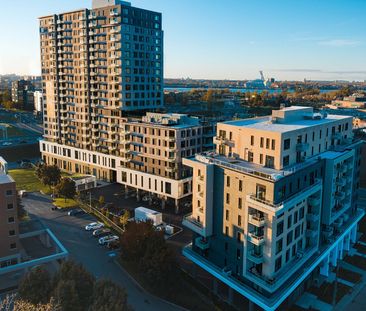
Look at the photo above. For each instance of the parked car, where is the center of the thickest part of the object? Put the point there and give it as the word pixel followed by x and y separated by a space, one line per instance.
pixel 99 233
pixel 76 211
pixel 113 244
pixel 94 226
pixel 107 239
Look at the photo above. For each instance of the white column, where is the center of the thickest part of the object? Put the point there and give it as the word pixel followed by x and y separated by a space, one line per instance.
pixel 334 256
pixel 347 243
pixel 324 268
pixel 354 234
pixel 340 249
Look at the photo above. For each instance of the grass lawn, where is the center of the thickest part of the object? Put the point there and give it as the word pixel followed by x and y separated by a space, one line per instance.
pixel 325 292
pixel 27 180
pixel 184 294
pixel 349 276
pixel 60 203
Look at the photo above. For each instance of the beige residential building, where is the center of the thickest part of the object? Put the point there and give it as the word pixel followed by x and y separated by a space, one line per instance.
pixel 100 67
pixel 276 202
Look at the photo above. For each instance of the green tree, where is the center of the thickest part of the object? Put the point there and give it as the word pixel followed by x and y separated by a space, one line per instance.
pixel 159 262
pixel 66 188
pixel 135 238
pixel 83 281
pixel 50 175
pixel 109 297
pixel 35 287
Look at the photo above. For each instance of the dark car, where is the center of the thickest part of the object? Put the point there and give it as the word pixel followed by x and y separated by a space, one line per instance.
pixel 99 233
pixel 76 211
pixel 113 245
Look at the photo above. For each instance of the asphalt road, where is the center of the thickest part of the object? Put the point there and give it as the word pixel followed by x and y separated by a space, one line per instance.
pixel 84 248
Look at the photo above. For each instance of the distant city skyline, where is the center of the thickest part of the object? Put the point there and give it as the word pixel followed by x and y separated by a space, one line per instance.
pixel 208 39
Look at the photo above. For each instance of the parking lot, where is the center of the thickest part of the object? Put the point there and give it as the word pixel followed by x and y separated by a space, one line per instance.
pixel 84 248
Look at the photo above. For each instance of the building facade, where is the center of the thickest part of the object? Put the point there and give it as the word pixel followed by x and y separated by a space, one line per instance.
pixel 100 66
pixel 38 102
pixel 276 202
pixel 22 93
pixel 9 233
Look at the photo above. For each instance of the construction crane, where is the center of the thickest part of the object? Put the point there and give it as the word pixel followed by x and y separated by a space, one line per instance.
pixel 262 76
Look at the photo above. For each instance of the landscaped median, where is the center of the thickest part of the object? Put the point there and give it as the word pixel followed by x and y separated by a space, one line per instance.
pixel 62 204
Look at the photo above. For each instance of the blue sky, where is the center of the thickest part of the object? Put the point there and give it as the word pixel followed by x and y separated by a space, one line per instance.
pixel 216 39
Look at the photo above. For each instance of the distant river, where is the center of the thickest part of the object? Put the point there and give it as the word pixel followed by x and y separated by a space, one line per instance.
pixel 271 91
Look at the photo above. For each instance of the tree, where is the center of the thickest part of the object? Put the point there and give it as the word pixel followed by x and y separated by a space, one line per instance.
pixel 35 286
pixel 109 297
pixel 159 263
pixel 83 281
pixel 67 296
pixel 123 219
pixel 10 303
pixel 135 238
pixel 50 175
pixel 101 201
pixel 66 188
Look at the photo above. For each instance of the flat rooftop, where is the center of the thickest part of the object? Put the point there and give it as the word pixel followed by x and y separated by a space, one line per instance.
pixel 288 119
pixel 266 124
pixel 5 179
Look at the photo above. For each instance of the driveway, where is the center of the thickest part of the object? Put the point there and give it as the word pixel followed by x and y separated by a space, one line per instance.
pixel 84 248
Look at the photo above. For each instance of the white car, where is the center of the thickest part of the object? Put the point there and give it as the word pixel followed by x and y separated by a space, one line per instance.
pixel 94 226
pixel 107 239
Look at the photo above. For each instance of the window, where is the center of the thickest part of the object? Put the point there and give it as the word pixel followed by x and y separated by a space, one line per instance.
pixel 250 156
pixel 240 185
pixel 10 206
pixel 279 244
pixel 302 213
pixel 238 237
pixel 168 188
pixel 297 232
pixel 226 230
pixel 273 146
pixel 227 198
pixel 262 142
pixel 9 192
pixel 13 245
pixel 289 221
pixel 227 214
pixel 287 144
pixel 295 217
pixel 289 238
pixel 252 140
pixel 286 160
pixel 11 220
pixel 240 203
pixel 279 228
pixel 239 220
pixel 261 158
pixel 287 255
pixel 227 181
pixel 238 254
pixel 11 232
pixel 278 263
pixel 267 143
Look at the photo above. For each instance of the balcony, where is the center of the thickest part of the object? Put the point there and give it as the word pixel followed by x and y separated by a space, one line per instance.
pixel 339 195
pixel 312 217
pixel 193 224
pixel 313 201
pixel 202 243
pixel 302 147
pixel 311 233
pixel 255 257
pixel 257 220
pixel 341 182
pixel 255 239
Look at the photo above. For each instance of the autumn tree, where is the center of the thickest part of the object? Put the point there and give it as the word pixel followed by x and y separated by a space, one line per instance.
pixel 35 286
pixel 123 219
pixel 66 295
